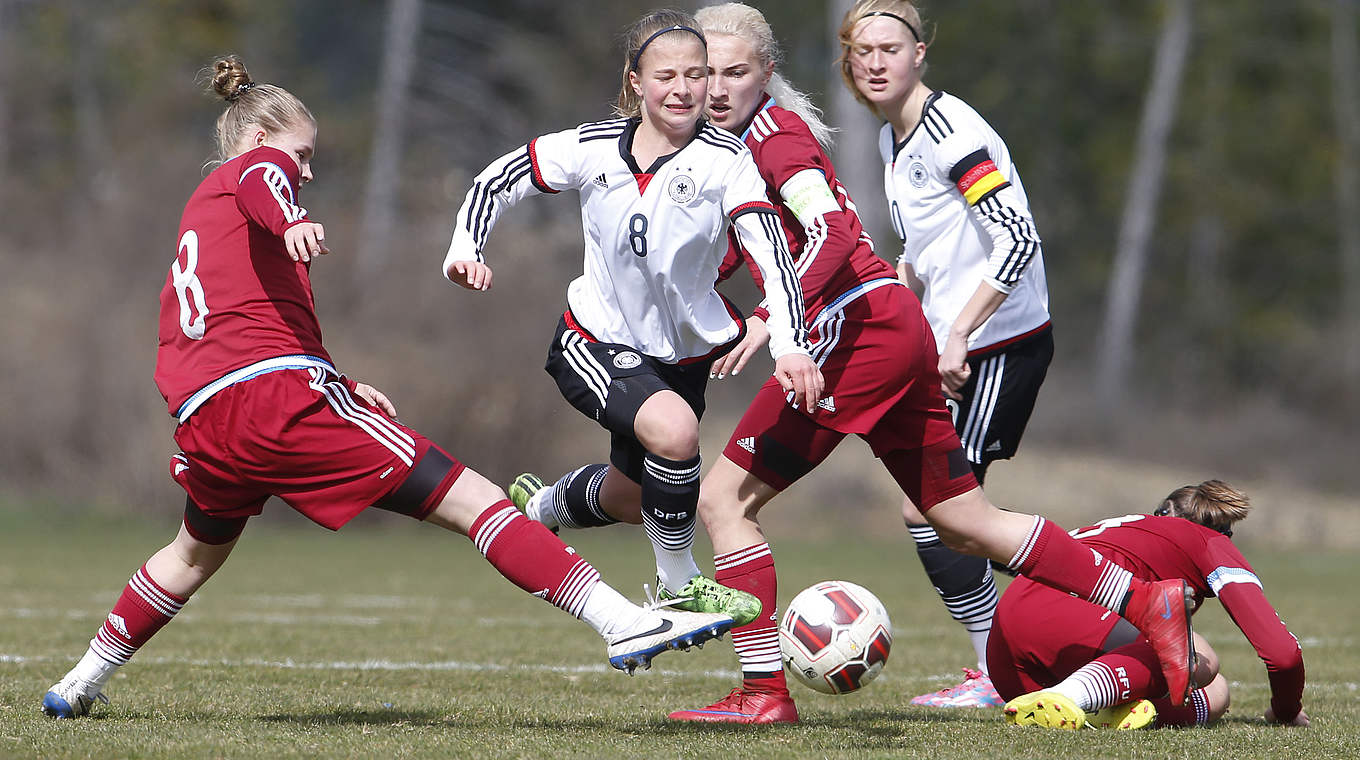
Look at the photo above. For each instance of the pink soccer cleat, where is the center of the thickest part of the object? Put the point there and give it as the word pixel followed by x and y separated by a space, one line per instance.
pixel 975 691
pixel 744 707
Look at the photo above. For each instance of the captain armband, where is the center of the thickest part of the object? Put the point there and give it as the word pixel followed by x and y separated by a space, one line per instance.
pixel 808 196
pixel 977 177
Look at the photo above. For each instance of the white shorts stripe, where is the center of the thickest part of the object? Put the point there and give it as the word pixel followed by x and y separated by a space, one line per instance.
pixel 985 394
pixel 591 373
pixel 382 430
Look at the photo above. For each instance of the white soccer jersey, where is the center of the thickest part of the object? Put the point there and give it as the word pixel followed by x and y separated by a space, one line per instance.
pixel 957 203
pixel 654 238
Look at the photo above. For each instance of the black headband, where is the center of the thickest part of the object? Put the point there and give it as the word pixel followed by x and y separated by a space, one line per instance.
pixel 676 28
pixel 893 15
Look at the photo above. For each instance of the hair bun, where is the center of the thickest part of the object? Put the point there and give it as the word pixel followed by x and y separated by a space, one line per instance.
pixel 230 78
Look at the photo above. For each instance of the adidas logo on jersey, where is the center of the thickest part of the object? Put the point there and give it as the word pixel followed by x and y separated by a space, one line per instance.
pixel 601 181
pixel 747 443
pixel 828 403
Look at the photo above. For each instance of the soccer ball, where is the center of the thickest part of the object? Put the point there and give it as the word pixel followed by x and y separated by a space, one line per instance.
pixel 835 637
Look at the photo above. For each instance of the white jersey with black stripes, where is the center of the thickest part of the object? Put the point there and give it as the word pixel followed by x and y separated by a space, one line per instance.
pixel 654 237
pixel 957 202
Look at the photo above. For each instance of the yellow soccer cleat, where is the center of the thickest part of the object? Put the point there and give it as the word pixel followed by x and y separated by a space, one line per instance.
pixel 1048 709
pixel 1129 716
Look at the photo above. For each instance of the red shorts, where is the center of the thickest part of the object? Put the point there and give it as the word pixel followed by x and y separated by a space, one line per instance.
pixel 882 383
pixel 1041 635
pixel 303 436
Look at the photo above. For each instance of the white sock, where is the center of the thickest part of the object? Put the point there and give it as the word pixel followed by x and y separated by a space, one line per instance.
pixel 979 639
pixel 1092 686
pixel 674 569
pixel 539 508
pixel 609 612
pixel 93 670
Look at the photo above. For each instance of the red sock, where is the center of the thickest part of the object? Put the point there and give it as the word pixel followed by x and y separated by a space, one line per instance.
pixel 1053 558
pixel 757 643
pixel 531 557
pixel 1194 712
pixel 142 609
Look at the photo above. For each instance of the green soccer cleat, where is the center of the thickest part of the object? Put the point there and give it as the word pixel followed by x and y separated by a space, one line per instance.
pixel 521 492
pixel 703 594
pixel 523 488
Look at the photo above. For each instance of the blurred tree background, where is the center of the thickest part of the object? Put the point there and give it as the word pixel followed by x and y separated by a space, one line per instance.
pixel 1242 358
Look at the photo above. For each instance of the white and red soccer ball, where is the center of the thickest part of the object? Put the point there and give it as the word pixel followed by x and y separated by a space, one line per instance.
pixel 835 637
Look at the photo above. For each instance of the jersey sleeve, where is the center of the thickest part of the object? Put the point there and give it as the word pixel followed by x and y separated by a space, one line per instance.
pixel 791 160
pixel 545 165
pixel 266 190
pixel 759 233
pixel 1237 587
pixel 996 204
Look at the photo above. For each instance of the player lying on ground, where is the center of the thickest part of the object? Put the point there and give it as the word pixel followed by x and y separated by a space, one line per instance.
pixel 917 443
pixel 659 189
pixel 1074 658
pixel 263 412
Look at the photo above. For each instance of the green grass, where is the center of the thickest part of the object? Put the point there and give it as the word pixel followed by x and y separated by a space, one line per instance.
pixel 396 640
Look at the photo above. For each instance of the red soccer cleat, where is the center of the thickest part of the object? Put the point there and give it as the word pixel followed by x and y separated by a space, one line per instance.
pixel 744 707
pixel 1162 612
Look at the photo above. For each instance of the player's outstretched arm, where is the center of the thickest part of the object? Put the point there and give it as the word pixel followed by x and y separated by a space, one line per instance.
pixel 305 241
pixel 473 275
pixel 757 335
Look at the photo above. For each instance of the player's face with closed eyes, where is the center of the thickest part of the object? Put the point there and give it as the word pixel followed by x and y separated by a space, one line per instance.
pixel 672 80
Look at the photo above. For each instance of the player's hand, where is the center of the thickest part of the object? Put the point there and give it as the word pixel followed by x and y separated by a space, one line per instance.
pixel 954 369
pixel 375 397
pixel 473 275
pixel 799 375
pixel 305 241
pixel 757 335
pixel 1299 720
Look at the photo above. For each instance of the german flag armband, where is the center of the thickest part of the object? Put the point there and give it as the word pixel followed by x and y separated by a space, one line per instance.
pixel 977 177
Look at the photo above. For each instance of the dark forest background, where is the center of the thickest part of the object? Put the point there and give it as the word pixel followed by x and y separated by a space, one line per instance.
pixel 1197 157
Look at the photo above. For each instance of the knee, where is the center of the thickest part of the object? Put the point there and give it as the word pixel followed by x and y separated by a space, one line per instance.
pixel 1206 660
pixel 1218 696
pixel 675 442
pixel 720 514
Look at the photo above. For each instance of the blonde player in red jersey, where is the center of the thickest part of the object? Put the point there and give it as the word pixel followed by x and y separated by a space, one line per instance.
pixel 263 412
pixel 659 189
pixel 1064 663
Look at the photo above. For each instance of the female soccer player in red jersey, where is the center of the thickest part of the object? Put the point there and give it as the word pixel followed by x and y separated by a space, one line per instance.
pixel 1060 659
pixel 659 189
pixel 263 412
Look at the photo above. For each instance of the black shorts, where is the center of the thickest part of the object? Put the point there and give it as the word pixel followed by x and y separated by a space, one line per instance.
pixel 1000 395
pixel 608 382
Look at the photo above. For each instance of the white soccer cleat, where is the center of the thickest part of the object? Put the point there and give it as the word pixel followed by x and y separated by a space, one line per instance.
pixel 71 698
pixel 660 630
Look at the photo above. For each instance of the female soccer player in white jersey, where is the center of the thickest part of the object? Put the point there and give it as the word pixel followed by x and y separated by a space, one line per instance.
pixel 869 338
pixel 263 412
pixel 659 190
pixel 970 247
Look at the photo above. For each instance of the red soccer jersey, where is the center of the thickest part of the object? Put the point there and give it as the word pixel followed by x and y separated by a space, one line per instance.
pixel 1156 548
pixel 233 297
pixel 838 255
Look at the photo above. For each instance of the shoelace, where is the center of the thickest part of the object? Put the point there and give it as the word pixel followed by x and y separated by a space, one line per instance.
pixel 655 603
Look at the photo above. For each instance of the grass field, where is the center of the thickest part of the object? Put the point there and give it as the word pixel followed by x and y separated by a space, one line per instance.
pixel 395 640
